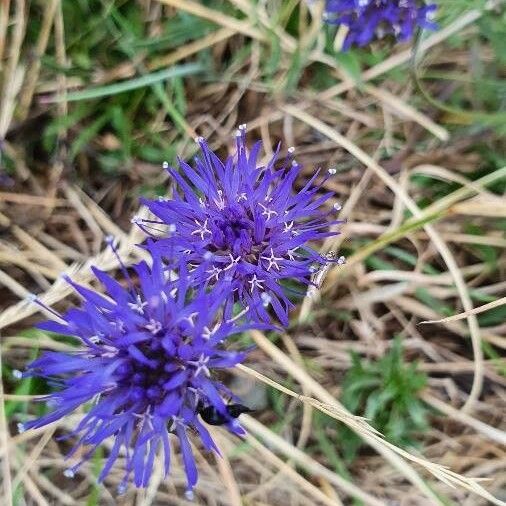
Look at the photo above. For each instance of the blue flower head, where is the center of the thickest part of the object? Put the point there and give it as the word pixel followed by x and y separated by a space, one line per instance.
pixel 370 19
pixel 247 222
pixel 150 361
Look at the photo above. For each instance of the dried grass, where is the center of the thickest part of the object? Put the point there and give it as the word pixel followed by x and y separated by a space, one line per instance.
pixel 32 255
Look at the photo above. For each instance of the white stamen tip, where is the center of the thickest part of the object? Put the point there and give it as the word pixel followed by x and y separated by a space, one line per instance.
pixel 266 299
pixel 242 127
pixel 341 260
pixel 16 373
pixel 337 206
pixel 122 488
pixel 171 228
pixel 238 133
pixel 291 149
pixel 199 139
pixel 109 239
pixel 189 495
pixel 165 165
pixel 21 428
pixel 332 171
pixel 294 163
pixel 68 473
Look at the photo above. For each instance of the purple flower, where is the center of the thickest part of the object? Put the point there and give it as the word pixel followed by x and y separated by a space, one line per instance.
pixel 246 222
pixel 149 364
pixel 369 19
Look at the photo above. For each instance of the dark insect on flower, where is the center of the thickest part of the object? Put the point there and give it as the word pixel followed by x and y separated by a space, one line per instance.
pixel 369 19
pixel 212 416
pixel 149 360
pixel 247 222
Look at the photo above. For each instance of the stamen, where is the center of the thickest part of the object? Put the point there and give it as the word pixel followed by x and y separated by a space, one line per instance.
pixel 273 261
pixel 69 473
pixel 33 298
pixel 111 241
pixel 266 299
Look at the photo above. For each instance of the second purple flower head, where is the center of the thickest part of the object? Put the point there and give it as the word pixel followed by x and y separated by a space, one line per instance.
pixel 247 222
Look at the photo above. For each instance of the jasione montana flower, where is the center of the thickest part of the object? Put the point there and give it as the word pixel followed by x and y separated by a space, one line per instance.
pixel 147 367
pixel 247 222
pixel 369 19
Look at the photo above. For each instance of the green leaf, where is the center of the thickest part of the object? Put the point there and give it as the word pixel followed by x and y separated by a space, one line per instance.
pixel 131 84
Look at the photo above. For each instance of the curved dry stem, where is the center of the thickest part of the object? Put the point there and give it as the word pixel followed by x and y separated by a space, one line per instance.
pixel 329 405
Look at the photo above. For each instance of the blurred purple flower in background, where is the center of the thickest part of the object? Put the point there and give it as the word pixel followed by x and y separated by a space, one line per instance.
pixel 148 366
pixel 370 19
pixel 247 222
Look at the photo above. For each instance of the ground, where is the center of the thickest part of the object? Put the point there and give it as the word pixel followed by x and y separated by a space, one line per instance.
pixel 96 94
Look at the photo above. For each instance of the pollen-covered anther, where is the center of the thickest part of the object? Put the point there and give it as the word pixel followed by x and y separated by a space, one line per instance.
pixel 337 206
pixel 202 230
pixel 266 299
pixel 288 226
pixel 233 262
pixel 332 171
pixel 190 318
pixel 273 261
pixel 291 253
pixel 267 212
pixel 254 282
pixel 201 366
pixel 138 305
pixel 214 273
pixel 154 326
pixel 69 473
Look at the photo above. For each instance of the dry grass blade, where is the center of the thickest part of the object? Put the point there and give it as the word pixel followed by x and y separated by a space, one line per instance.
pixel 391 452
pixel 105 260
pixel 407 111
pixel 434 236
pixel 492 433
pixel 465 314
pixel 12 75
pixel 217 17
pixel 286 469
pixel 312 466
pixel 34 69
pixel 5 437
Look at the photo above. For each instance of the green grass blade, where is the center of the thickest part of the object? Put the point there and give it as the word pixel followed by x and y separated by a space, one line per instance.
pixel 130 84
